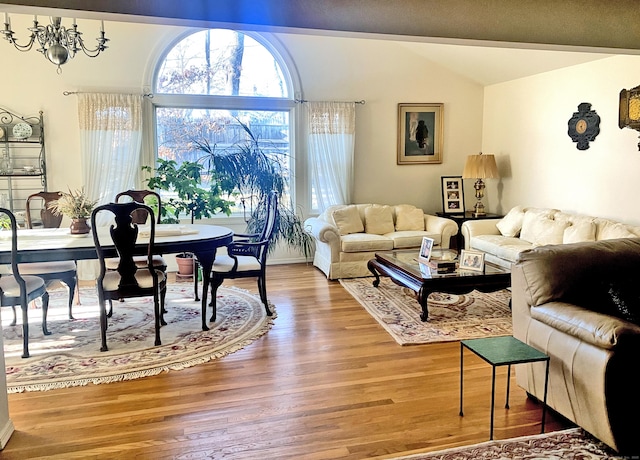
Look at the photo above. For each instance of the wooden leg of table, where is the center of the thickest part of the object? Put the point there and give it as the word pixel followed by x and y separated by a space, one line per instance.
pixel 371 265
pixel 423 295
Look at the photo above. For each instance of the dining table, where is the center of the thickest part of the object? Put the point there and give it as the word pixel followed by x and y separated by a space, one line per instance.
pixel 56 244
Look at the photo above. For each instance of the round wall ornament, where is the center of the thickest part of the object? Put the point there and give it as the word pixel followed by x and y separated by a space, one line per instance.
pixel 584 126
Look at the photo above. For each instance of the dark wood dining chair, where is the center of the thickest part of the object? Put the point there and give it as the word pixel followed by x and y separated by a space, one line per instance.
pixel 140 217
pixel 64 271
pixel 128 279
pixel 17 289
pixel 246 257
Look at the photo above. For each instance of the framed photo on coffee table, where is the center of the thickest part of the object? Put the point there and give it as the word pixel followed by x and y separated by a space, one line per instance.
pixel 472 260
pixel 452 194
pixel 425 249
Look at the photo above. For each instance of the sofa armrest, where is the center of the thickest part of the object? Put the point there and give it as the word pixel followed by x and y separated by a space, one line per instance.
pixel 445 227
pixel 471 228
pixel 321 230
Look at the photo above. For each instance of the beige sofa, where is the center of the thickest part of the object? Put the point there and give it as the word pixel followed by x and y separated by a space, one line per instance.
pixel 348 236
pixel 579 304
pixel 526 228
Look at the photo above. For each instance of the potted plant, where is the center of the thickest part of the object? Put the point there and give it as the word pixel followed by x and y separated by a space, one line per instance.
pixel 77 206
pixel 247 170
pixel 189 197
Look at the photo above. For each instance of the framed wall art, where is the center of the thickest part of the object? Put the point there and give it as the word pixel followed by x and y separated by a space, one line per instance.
pixel 420 133
pixel 452 195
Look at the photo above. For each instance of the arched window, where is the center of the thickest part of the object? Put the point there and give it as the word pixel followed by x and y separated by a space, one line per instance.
pixel 218 88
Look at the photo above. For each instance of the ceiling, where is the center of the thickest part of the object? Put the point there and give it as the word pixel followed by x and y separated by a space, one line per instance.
pixel 489 42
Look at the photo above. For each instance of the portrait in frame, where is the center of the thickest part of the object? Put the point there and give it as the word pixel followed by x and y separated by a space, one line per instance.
pixel 420 133
pixel 452 194
pixel 472 260
pixel 425 249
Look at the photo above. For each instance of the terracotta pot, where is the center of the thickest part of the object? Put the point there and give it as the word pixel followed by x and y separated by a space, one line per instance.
pixel 185 264
pixel 79 226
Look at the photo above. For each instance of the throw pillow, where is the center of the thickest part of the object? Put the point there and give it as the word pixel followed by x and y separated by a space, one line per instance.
pixel 579 232
pixel 539 230
pixel 348 220
pixel 532 224
pixel 409 218
pixel 511 224
pixel 378 219
pixel 614 230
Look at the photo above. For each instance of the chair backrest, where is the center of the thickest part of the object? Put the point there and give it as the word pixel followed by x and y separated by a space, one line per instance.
pixel 148 197
pixel 124 234
pixel 47 217
pixel 8 219
pixel 271 213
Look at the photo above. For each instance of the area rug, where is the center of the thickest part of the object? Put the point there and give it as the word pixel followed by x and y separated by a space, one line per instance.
pixel 71 355
pixel 451 317
pixel 572 444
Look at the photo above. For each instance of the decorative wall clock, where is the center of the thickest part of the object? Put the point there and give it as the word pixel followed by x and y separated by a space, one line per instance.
pixel 629 114
pixel 584 126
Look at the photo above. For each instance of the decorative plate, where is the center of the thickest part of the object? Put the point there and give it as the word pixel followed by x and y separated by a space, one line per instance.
pixel 1 132
pixel 22 130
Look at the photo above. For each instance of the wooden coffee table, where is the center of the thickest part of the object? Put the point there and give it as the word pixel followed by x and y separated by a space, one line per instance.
pixel 403 268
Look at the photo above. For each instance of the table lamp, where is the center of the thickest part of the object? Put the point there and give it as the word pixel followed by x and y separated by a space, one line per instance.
pixel 480 167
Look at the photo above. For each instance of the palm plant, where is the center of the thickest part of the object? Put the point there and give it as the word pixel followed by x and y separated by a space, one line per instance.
pixel 252 173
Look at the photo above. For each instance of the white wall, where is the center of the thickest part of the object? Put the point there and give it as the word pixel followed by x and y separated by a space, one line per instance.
pixel 384 74
pixel 525 125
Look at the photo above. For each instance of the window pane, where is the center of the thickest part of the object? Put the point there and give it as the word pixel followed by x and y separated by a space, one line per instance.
pixel 179 130
pixel 221 62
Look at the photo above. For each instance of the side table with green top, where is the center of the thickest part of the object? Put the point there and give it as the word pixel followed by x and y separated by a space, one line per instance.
pixel 503 351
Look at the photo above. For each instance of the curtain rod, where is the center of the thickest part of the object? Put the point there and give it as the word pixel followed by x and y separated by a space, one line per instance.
pixel 68 93
pixel 302 101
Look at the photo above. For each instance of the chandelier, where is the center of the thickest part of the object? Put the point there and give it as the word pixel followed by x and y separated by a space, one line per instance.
pixel 57 43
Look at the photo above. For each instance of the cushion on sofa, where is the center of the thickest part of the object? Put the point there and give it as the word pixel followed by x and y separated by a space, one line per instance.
pixel 540 231
pixel 362 242
pixel 506 248
pixel 609 230
pixel 579 232
pixel 511 224
pixel 347 219
pixel 412 239
pixel 531 223
pixel 409 217
pixel 378 219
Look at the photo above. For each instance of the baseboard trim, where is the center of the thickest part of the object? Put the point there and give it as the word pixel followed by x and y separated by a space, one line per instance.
pixel 6 432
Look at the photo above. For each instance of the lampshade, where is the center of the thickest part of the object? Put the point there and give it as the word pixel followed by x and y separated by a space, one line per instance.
pixel 480 167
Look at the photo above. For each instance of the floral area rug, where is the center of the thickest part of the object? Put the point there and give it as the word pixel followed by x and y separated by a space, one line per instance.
pixel 572 444
pixel 71 355
pixel 451 317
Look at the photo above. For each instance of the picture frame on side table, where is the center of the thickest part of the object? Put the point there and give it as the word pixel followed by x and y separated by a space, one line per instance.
pixel 420 133
pixel 425 249
pixel 472 260
pixel 452 194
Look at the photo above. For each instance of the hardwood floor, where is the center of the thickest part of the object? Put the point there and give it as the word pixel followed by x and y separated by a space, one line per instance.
pixel 327 382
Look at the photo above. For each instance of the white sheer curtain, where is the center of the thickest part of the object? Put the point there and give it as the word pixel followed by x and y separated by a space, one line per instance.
pixel 331 131
pixel 110 142
pixel 110 146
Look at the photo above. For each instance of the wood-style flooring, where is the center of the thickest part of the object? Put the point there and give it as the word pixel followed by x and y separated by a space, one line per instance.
pixel 327 382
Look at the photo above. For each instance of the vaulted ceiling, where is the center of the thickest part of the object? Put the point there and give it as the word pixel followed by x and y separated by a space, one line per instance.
pixel 496 40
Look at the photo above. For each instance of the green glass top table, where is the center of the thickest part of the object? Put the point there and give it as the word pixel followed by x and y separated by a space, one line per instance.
pixel 503 351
